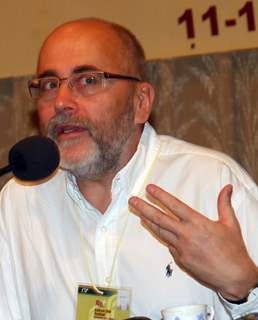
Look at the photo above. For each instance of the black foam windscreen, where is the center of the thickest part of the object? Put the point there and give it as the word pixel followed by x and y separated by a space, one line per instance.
pixel 34 158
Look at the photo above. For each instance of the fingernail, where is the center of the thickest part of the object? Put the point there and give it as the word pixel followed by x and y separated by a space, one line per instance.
pixel 229 193
pixel 150 188
pixel 133 201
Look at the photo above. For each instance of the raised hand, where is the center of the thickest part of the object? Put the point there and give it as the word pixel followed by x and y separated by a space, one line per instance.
pixel 212 252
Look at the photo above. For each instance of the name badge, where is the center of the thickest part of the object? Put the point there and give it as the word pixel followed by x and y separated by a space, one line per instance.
pixel 113 304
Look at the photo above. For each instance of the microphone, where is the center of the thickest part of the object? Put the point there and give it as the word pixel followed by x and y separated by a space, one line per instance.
pixel 33 158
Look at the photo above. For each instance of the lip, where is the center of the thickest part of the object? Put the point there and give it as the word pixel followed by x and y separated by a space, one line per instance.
pixel 68 131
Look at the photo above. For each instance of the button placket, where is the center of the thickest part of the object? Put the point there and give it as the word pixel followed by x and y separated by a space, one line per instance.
pixel 101 254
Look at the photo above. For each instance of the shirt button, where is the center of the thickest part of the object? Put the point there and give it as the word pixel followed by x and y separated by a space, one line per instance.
pixel 103 229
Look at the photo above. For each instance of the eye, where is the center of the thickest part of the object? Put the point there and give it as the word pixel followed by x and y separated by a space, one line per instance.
pixel 88 80
pixel 48 84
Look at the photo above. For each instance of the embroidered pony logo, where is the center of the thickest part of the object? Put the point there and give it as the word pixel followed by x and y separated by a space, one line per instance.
pixel 169 271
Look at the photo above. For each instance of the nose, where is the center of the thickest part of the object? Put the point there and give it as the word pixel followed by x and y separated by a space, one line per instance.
pixel 64 101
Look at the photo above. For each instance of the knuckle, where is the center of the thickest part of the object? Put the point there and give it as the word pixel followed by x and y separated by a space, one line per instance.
pixel 174 207
pixel 157 219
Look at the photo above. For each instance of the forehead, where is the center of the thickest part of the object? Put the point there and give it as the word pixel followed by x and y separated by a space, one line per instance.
pixel 74 46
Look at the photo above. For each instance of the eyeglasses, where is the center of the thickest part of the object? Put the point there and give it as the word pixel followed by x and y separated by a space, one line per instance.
pixel 85 84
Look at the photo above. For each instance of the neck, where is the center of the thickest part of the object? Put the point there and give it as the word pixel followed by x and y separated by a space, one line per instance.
pixel 98 192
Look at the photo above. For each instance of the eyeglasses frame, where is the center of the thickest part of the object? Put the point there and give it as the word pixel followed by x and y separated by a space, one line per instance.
pixel 107 75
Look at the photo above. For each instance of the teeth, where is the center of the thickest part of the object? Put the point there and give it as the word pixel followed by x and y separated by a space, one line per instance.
pixel 67 130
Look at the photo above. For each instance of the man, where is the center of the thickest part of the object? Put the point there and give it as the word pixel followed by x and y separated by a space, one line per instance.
pixel 77 227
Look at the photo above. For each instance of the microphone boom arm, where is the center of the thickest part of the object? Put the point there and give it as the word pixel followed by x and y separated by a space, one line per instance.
pixel 6 169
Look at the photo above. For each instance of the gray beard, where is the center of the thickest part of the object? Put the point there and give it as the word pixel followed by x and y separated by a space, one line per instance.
pixel 110 141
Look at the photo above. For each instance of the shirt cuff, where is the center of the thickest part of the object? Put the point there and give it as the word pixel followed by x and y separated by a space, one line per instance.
pixel 250 307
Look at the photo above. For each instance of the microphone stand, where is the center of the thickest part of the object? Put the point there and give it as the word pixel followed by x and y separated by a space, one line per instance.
pixel 6 169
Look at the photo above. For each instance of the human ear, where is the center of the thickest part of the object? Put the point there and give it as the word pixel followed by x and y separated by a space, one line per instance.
pixel 143 101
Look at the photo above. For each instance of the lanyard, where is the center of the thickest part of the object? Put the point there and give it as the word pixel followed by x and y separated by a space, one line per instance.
pixel 120 238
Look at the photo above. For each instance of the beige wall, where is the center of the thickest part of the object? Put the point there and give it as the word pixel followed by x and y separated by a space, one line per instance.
pixel 25 23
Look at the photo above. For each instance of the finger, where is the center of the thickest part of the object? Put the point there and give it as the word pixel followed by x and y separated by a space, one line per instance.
pixel 167 237
pixel 225 210
pixel 152 214
pixel 177 207
pixel 174 252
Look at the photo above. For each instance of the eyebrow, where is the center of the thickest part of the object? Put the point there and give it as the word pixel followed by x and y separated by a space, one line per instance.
pixel 76 70
pixel 84 68
pixel 47 73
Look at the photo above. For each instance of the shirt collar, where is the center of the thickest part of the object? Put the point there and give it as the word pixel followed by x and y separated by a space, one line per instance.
pixel 139 164
pixel 132 177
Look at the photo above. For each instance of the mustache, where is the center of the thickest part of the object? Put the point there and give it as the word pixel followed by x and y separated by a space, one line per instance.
pixel 64 119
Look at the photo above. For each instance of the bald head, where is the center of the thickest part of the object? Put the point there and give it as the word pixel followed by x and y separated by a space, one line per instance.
pixel 117 48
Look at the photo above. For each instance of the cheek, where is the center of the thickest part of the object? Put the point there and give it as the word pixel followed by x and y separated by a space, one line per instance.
pixel 45 113
pixel 113 104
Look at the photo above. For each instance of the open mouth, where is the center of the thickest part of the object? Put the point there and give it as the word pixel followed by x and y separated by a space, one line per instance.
pixel 68 130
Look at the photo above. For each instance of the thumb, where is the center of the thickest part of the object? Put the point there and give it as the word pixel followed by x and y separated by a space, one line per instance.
pixel 225 210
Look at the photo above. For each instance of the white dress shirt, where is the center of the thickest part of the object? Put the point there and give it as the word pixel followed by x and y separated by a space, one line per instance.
pixel 52 239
